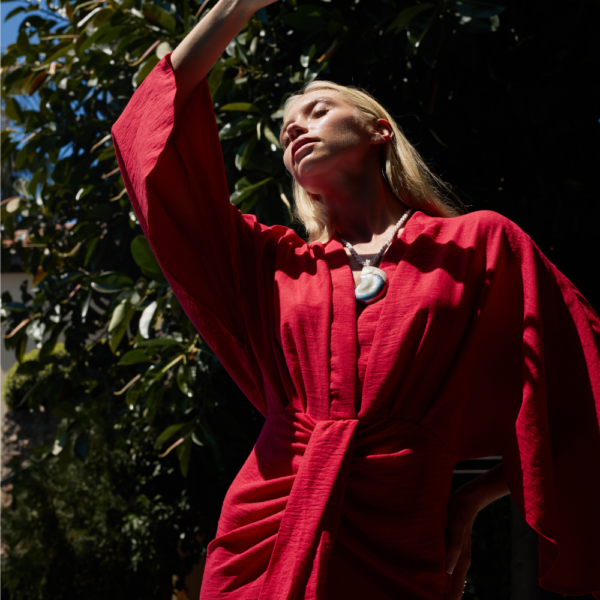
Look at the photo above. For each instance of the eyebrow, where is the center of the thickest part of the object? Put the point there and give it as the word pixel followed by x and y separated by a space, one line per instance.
pixel 307 107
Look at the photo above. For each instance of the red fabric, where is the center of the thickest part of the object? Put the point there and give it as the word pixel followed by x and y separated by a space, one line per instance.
pixel 480 347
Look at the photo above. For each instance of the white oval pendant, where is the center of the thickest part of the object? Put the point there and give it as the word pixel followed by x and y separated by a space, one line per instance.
pixel 373 283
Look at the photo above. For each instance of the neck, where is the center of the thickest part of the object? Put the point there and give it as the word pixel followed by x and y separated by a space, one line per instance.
pixel 363 206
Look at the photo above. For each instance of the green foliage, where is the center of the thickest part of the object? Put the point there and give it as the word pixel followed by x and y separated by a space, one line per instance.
pixel 34 377
pixel 148 420
pixel 102 516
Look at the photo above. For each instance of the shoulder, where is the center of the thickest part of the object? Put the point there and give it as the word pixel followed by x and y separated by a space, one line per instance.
pixel 479 227
pixel 483 222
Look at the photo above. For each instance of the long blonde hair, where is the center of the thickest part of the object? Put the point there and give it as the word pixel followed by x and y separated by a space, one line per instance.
pixel 403 169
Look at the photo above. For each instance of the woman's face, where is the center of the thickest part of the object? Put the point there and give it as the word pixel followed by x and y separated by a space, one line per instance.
pixel 323 134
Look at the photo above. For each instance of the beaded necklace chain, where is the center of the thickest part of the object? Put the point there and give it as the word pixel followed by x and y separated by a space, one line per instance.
pixel 373 261
pixel 373 281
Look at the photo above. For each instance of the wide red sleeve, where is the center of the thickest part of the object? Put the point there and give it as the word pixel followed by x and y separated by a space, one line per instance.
pixel 552 458
pixel 219 263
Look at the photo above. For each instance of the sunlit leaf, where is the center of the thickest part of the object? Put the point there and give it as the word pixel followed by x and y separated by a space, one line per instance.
pixel 118 324
pixel 241 194
pixel 158 15
pixel 271 136
pixel 144 70
pixel 241 107
pixel 147 318
pixel 111 282
pixel 119 315
pixel 92 39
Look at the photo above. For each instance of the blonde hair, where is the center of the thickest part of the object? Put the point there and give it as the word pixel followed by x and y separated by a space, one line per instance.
pixel 403 169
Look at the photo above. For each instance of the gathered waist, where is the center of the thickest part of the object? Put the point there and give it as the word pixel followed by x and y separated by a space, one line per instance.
pixel 314 491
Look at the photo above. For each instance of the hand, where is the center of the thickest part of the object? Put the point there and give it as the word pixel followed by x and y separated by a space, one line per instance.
pixel 461 516
pixel 198 52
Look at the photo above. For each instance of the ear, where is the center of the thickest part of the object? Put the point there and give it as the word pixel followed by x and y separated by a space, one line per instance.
pixel 382 132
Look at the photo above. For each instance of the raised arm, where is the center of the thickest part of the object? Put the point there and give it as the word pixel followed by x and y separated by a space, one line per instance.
pixel 198 52
pixel 219 263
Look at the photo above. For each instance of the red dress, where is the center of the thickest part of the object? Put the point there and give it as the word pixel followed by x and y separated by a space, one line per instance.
pixel 480 347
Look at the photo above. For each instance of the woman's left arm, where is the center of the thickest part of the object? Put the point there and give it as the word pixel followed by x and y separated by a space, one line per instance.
pixel 463 507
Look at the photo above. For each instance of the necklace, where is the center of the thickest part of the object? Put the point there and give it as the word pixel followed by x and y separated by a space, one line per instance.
pixel 373 281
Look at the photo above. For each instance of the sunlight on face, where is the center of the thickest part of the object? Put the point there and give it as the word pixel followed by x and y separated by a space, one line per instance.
pixel 323 134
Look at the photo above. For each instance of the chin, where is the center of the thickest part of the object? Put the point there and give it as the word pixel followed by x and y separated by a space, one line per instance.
pixel 311 173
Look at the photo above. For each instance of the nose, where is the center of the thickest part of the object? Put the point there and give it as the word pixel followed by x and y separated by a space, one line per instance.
pixel 295 130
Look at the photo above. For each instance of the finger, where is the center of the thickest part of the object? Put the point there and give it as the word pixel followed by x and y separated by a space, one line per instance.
pixel 454 543
pixel 459 578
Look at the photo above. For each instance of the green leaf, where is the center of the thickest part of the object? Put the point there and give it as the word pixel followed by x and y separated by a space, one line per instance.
pixel 241 107
pixel 103 15
pixel 134 357
pixel 144 257
pixel 144 70
pixel 13 110
pixel 153 401
pixel 147 318
pixel 155 14
pixel 403 20
pixel 133 394
pixel 232 130
pixel 184 452
pixel 9 58
pixel 85 305
pixel 244 192
pixel 14 12
pixel 111 282
pixel 62 50
pixel 119 315
pixel 159 341
pixel 245 152
pixel 215 78
pixel 271 137
pixel 22 156
pixel 118 324
pixel 35 180
pixel 91 246
pixel 184 380
pixel 23 41
pixel 305 59
pixel 168 433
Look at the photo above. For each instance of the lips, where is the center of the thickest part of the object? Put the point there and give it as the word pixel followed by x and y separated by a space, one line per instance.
pixel 298 148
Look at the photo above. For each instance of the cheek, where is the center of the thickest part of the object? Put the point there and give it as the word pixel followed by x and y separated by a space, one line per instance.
pixel 346 132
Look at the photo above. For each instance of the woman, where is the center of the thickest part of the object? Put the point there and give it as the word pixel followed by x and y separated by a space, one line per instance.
pixel 463 341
